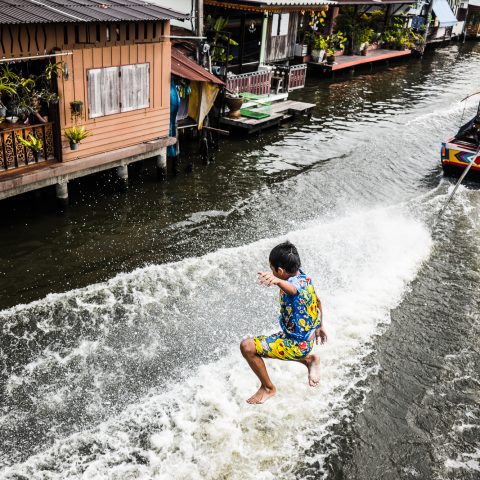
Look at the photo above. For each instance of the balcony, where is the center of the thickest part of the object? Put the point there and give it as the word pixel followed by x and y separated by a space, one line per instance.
pixel 14 155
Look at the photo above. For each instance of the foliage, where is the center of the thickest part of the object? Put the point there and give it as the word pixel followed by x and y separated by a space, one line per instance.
pixel 399 36
pixel 362 34
pixel 335 42
pixel 35 144
pixel 76 134
pixel 52 69
pixel 25 93
pixel 316 20
pixel 220 39
pixel 320 43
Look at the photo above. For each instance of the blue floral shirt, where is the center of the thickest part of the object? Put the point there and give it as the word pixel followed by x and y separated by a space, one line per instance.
pixel 299 313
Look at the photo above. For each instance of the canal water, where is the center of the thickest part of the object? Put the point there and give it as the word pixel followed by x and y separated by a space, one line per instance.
pixel 121 318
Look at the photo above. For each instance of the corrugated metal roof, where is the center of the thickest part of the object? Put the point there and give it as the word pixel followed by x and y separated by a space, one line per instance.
pixel 187 68
pixel 53 11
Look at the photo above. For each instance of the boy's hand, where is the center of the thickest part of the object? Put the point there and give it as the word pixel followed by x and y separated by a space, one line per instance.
pixel 267 279
pixel 322 334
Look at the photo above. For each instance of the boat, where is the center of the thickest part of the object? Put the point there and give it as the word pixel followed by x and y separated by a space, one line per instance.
pixel 462 149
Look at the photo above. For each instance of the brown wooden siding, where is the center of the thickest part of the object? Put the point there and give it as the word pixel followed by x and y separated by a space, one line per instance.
pixel 121 129
pixel 40 39
pixel 281 47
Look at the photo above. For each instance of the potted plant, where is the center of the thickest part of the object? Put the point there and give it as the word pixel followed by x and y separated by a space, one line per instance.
pixel 76 107
pixel 234 102
pixel 75 135
pixel 363 35
pixel 335 42
pixel 34 143
pixel 319 47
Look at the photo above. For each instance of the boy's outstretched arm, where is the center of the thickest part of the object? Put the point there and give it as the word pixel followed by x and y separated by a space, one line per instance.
pixel 320 333
pixel 268 279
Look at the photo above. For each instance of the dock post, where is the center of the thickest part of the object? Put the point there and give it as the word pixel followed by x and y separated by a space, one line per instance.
pixel 161 161
pixel 61 190
pixel 122 172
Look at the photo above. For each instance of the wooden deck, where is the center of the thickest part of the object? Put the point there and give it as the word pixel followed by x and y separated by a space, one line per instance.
pixel 278 113
pixel 344 62
pixel 25 179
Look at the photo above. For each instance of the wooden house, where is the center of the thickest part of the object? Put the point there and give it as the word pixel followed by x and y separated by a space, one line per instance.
pixel 112 63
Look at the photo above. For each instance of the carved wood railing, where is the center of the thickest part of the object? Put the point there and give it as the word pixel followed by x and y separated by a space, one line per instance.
pixel 14 155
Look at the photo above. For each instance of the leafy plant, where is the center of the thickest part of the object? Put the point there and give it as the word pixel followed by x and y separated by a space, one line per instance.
pixel 76 134
pixel 35 144
pixel 219 39
pixel 335 42
pixel 320 43
pixel 362 34
pixel 52 69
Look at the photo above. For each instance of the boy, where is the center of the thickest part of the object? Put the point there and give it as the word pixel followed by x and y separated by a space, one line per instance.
pixel 299 319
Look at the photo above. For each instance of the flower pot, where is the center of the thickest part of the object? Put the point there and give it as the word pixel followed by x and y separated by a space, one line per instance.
pixel 76 108
pixel 330 59
pixel 35 155
pixel 234 104
pixel 300 50
pixel 317 55
pixel 73 146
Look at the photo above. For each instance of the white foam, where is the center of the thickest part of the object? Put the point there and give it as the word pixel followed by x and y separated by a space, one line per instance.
pixel 201 428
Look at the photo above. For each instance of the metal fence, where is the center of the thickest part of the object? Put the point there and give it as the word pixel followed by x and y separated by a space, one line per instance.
pixel 256 82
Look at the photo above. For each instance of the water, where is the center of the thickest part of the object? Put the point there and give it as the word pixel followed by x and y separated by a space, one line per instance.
pixel 129 367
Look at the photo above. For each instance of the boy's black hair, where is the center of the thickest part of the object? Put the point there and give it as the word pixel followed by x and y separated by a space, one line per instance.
pixel 285 256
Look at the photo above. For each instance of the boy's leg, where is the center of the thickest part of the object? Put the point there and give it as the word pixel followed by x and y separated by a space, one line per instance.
pixel 312 362
pixel 267 388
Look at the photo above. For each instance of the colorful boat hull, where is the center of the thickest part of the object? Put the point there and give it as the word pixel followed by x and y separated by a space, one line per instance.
pixel 455 158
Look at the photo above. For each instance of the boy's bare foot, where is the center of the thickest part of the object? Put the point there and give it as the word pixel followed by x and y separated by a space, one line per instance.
pixel 262 395
pixel 313 365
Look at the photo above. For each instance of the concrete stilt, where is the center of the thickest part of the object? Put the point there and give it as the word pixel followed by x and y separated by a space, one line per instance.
pixel 61 190
pixel 122 172
pixel 161 160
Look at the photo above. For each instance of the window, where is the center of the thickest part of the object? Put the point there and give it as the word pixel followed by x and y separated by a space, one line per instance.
pixel 118 89
pixel 280 24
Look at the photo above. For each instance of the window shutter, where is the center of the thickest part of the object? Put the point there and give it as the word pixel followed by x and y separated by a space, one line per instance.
pixel 135 86
pixel 95 93
pixel 111 90
pixel 284 20
pixel 128 87
pixel 143 84
pixel 275 21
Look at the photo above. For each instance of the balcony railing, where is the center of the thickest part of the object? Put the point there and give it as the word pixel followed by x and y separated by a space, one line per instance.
pixel 287 78
pixel 14 155
pixel 256 82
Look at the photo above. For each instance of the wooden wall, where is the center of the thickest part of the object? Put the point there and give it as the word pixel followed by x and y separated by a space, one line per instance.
pixel 281 47
pixel 98 46
pixel 120 129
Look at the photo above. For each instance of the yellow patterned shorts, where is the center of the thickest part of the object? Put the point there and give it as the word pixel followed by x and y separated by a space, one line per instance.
pixel 280 346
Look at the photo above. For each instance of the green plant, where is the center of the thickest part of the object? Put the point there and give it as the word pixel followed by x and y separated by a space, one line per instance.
pixel 320 43
pixel 76 134
pixel 362 34
pixel 35 144
pixel 219 37
pixel 335 42
pixel 52 69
